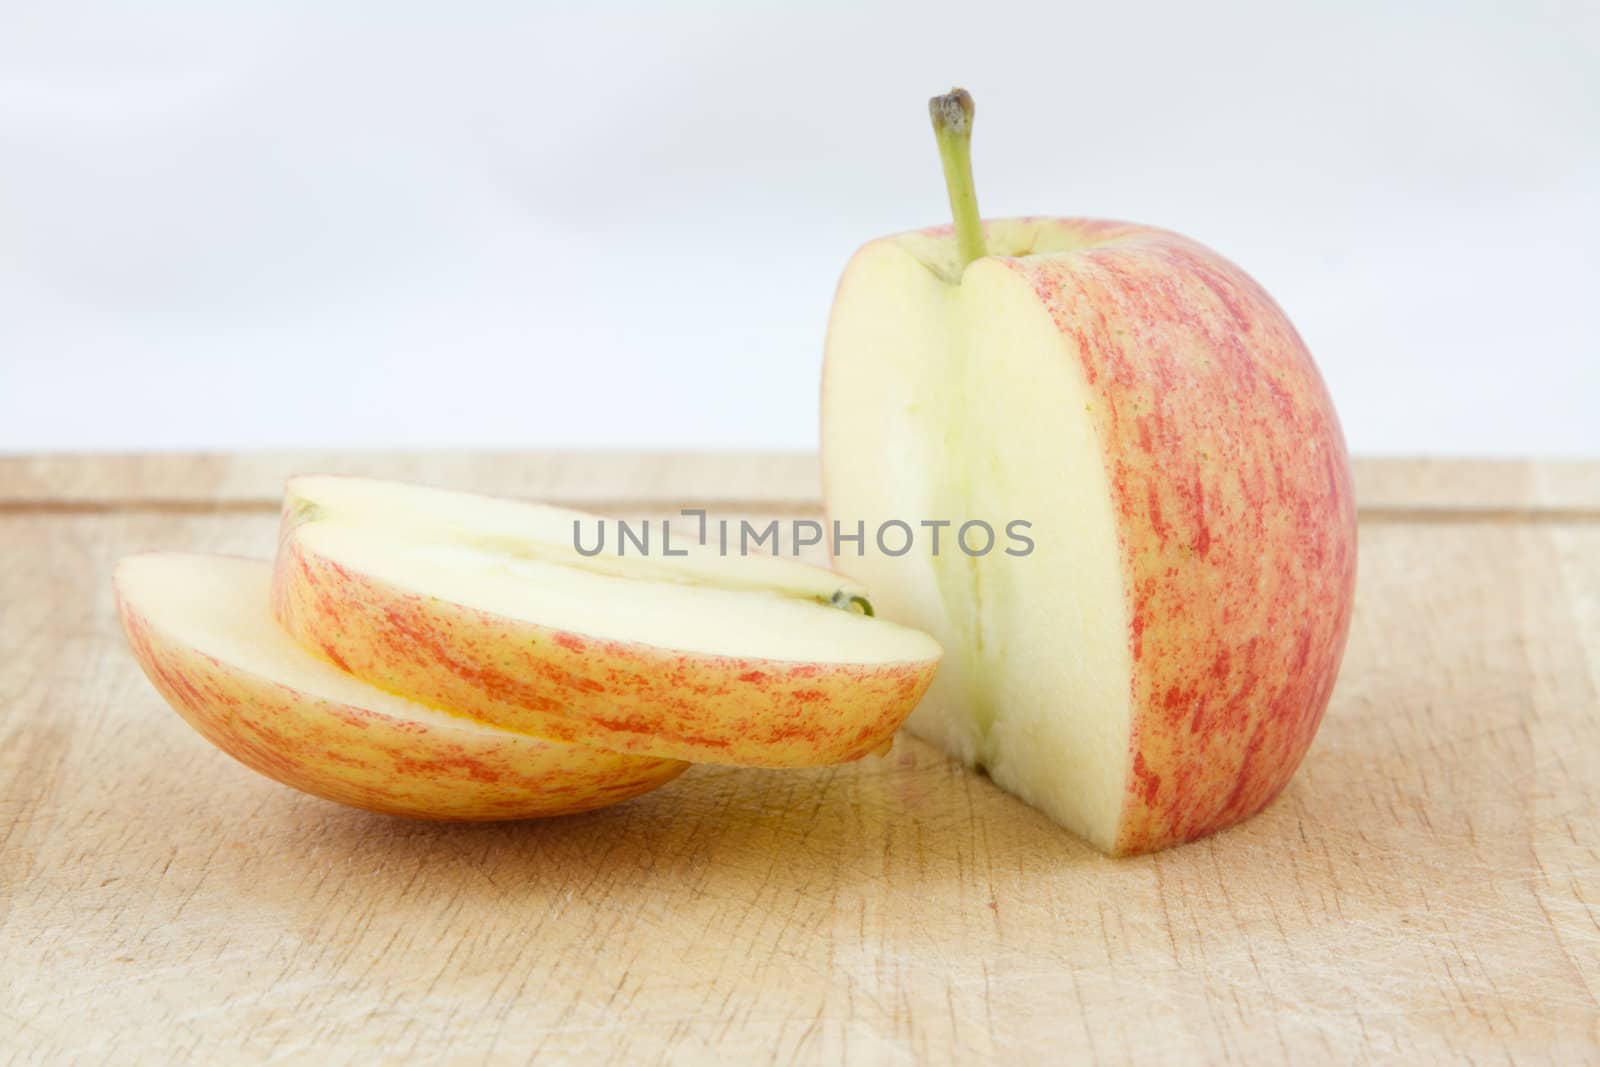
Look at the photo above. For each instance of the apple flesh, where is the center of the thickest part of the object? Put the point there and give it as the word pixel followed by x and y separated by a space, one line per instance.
pixel 202 631
pixel 1155 668
pixel 486 607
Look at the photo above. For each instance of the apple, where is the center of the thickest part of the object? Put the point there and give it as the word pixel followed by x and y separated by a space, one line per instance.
pixel 201 628
pixel 488 607
pixel 1154 668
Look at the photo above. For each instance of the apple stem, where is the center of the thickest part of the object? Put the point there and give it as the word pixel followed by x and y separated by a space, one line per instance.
pixel 845 601
pixel 952 126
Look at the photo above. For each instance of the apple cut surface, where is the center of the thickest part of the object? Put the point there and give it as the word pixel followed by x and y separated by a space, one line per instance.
pixel 1155 668
pixel 485 606
pixel 202 630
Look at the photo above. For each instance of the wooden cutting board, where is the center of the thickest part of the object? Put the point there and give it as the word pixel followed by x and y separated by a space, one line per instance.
pixel 1427 887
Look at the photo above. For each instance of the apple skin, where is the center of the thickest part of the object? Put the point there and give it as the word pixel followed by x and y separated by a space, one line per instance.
pixel 370 759
pixel 1237 515
pixel 626 698
pixel 1235 510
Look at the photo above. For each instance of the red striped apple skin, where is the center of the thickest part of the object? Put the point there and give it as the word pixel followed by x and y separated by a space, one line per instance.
pixel 621 697
pixel 1236 519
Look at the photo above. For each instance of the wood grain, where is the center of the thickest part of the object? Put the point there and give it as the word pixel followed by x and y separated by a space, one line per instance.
pixel 775 481
pixel 1427 889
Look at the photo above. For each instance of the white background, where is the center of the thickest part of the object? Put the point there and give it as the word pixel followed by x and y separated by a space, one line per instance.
pixel 273 225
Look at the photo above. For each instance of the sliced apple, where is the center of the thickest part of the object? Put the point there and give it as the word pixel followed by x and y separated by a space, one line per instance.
pixel 1155 668
pixel 486 606
pixel 202 630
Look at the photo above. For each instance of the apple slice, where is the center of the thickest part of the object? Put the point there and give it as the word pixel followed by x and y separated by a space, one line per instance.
pixel 1155 667
pixel 486 606
pixel 201 629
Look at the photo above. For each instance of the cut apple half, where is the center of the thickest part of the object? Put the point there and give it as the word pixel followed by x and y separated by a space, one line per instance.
pixel 1153 667
pixel 201 629
pixel 486 606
